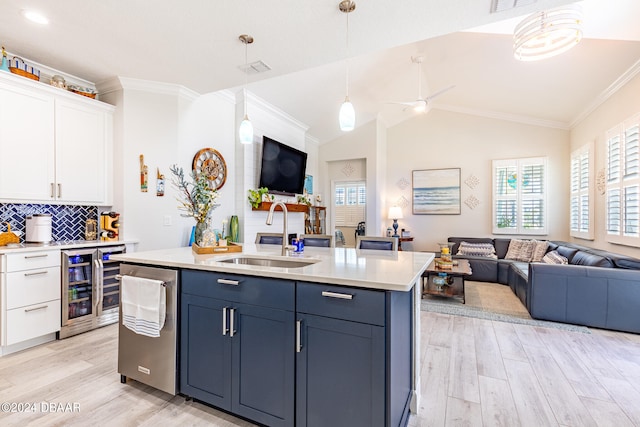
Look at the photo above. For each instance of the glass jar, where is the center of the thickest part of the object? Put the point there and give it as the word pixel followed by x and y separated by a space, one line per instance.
pixel 445 251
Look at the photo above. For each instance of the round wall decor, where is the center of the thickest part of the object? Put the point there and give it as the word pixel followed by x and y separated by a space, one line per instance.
pixel 212 164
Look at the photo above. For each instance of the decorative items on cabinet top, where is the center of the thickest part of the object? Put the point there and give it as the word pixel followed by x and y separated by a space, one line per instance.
pixel 47 76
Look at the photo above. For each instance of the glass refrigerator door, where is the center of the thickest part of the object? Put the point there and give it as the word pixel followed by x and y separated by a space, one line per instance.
pixel 77 289
pixel 110 292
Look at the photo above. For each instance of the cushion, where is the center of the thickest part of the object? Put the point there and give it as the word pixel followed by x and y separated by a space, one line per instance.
pixel 592 260
pixel 566 251
pixel 477 249
pixel 520 250
pixel 502 246
pixel 631 263
pixel 457 240
pixel 539 250
pixel 554 257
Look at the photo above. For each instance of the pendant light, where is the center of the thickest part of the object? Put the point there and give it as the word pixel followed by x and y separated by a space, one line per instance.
pixel 347 115
pixel 245 132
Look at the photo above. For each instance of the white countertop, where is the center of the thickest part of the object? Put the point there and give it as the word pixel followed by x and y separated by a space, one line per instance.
pixel 386 270
pixel 58 245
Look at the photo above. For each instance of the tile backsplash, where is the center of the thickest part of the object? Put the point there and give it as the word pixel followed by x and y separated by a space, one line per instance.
pixel 68 221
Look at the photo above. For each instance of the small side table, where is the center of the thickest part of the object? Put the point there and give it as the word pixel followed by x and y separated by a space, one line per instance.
pixel 403 239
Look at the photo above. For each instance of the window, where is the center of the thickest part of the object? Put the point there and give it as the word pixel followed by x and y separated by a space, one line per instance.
pixel 520 196
pixel 581 201
pixel 623 183
pixel 351 199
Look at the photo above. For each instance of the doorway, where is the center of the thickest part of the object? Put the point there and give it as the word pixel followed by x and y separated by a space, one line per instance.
pixel 349 207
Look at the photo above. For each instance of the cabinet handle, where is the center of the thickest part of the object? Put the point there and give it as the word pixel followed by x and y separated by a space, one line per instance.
pixel 53 194
pixel 232 314
pixel 228 282
pixel 336 295
pixel 26 310
pixel 298 338
pixel 59 190
pixel 35 273
pixel 36 256
pixel 224 321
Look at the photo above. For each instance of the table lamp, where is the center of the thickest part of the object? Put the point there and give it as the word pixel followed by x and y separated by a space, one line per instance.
pixel 395 213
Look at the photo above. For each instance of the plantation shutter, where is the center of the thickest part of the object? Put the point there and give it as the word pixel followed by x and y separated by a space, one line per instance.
pixel 351 199
pixel 580 204
pixel 520 193
pixel 623 183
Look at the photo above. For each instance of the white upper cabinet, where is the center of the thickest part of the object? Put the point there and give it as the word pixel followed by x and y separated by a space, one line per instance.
pixel 56 145
pixel 26 143
pixel 81 153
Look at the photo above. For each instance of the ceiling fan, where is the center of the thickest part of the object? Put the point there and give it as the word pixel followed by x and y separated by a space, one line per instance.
pixel 420 104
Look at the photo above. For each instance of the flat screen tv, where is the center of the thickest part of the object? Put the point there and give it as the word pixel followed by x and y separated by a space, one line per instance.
pixel 283 168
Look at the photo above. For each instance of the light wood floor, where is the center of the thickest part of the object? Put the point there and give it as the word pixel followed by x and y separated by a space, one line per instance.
pixel 474 372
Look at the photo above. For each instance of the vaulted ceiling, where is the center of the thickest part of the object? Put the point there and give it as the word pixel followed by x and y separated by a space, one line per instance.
pixel 195 43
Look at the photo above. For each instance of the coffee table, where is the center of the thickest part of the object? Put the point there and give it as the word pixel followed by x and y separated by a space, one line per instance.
pixel 453 279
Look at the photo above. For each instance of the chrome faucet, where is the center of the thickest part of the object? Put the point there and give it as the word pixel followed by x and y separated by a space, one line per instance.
pixel 285 213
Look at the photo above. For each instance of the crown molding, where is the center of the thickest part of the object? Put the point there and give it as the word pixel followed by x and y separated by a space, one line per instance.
pixel 311 139
pixel 503 116
pixel 127 83
pixel 618 84
pixel 260 103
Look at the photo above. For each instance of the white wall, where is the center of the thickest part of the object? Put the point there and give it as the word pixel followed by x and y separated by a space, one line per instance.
pixel 168 125
pixel 275 124
pixel 619 107
pixel 361 143
pixel 442 139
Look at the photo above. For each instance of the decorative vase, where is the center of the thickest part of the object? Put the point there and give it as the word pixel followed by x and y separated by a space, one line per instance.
pixel 234 229
pixel 199 232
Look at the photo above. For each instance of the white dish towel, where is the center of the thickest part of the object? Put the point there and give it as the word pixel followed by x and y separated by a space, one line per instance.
pixel 144 305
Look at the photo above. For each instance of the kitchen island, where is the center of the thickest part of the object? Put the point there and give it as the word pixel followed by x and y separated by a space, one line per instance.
pixel 329 340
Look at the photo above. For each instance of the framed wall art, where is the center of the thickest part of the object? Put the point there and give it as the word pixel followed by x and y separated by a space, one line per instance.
pixel 308 184
pixel 436 191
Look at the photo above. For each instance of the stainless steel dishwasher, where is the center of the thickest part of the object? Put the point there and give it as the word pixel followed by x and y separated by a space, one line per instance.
pixel 152 361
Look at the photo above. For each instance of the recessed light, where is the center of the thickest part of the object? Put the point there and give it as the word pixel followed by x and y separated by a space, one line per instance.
pixel 36 17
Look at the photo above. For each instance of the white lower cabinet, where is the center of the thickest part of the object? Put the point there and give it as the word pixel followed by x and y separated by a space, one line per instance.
pixel 32 321
pixel 31 290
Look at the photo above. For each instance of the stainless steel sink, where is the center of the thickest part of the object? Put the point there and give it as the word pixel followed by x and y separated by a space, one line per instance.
pixel 270 262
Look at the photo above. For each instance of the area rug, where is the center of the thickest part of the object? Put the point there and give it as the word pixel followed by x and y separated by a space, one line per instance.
pixel 490 301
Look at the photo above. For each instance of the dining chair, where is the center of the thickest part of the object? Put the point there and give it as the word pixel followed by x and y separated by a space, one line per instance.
pixel 269 238
pixel 378 243
pixel 320 240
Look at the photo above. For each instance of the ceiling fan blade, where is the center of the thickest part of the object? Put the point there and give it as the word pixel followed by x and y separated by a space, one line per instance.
pixel 408 104
pixel 440 92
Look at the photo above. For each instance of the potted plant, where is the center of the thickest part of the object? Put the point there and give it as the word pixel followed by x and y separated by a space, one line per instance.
pixel 304 200
pixel 256 197
pixel 197 198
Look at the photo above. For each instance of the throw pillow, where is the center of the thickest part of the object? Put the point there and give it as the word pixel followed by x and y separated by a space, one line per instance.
pixel 514 249
pixel 554 257
pixel 477 249
pixel 520 250
pixel 539 250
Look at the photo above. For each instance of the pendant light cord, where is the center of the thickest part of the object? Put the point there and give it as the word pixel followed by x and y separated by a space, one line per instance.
pixel 246 77
pixel 347 74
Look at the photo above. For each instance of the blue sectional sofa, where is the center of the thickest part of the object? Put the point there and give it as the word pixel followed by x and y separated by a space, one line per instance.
pixel 596 288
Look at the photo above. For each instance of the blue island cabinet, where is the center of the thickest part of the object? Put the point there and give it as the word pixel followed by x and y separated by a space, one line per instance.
pixel 354 352
pixel 236 345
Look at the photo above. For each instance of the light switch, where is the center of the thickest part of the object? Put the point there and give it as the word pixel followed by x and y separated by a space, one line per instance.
pixel 167 220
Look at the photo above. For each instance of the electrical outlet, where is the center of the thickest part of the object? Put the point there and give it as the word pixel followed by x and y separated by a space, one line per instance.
pixel 166 220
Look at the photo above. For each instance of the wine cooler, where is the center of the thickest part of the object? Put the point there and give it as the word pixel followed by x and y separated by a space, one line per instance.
pixel 90 290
